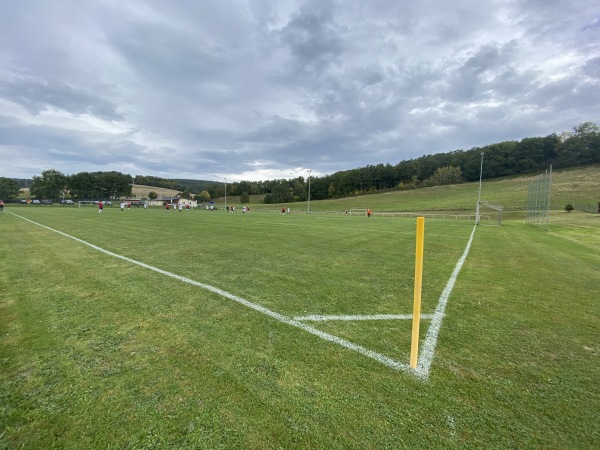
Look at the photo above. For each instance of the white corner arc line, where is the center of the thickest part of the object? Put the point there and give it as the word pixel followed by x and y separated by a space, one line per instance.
pixel 387 361
pixel 428 349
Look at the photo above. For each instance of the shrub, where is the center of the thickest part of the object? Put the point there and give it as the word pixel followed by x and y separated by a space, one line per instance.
pixel 569 207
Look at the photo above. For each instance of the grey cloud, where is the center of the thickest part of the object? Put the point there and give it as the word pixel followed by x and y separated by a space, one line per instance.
pixel 592 68
pixel 168 59
pixel 39 138
pixel 481 75
pixel 330 85
pixel 44 147
pixel 278 130
pixel 36 96
pixel 312 38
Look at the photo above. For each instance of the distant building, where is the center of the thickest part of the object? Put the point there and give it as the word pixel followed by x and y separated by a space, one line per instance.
pixel 172 201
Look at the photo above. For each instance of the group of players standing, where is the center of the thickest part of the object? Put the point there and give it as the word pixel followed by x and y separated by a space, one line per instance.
pixel 175 207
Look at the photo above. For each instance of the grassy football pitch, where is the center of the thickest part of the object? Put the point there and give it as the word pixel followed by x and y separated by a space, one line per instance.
pixel 180 330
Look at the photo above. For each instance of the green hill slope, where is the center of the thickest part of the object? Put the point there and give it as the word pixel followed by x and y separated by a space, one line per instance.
pixel 578 186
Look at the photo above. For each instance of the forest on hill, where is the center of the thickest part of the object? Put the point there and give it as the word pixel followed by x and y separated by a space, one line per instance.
pixel 579 147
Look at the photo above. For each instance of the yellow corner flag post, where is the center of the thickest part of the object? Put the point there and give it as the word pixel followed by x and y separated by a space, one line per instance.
pixel 414 347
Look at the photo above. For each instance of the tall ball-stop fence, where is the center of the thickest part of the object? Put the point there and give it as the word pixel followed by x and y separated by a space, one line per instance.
pixel 538 204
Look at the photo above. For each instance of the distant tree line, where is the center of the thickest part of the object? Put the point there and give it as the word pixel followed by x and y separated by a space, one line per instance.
pixel 574 148
pixel 53 185
pixel 23 182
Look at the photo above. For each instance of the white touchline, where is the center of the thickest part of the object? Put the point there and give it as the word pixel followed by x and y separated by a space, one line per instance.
pixel 427 354
pixel 280 317
pixel 428 350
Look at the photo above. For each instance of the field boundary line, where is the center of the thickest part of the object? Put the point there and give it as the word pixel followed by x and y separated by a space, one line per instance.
pixel 387 361
pixel 428 348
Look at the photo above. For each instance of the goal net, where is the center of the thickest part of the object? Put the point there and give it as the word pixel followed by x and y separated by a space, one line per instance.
pixel 490 213
pixel 358 212
pixel 87 203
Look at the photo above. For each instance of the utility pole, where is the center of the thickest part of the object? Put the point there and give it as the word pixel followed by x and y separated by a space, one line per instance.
pixel 479 196
pixel 309 171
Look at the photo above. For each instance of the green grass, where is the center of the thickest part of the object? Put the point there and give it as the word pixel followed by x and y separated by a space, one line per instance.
pixel 96 352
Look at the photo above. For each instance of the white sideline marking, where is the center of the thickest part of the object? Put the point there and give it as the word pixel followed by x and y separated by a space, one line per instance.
pixel 392 363
pixel 428 349
pixel 362 317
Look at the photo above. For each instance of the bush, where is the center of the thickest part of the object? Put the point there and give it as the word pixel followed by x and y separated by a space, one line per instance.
pixel 444 176
pixel 569 207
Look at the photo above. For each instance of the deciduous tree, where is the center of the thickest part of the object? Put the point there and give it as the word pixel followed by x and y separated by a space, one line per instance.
pixel 9 188
pixel 444 176
pixel 204 196
pixel 49 185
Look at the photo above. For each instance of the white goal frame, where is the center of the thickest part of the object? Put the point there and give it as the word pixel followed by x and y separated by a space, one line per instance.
pixel 81 203
pixel 358 211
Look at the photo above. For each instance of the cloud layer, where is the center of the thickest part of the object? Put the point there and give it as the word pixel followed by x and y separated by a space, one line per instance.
pixel 262 90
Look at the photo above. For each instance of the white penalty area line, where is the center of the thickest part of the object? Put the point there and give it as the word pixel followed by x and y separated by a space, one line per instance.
pixel 427 354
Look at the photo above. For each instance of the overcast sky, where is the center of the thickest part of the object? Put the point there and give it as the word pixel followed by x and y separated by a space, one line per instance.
pixel 256 90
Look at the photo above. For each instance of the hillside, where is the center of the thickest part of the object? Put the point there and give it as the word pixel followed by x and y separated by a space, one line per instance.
pixel 579 186
pixel 141 191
